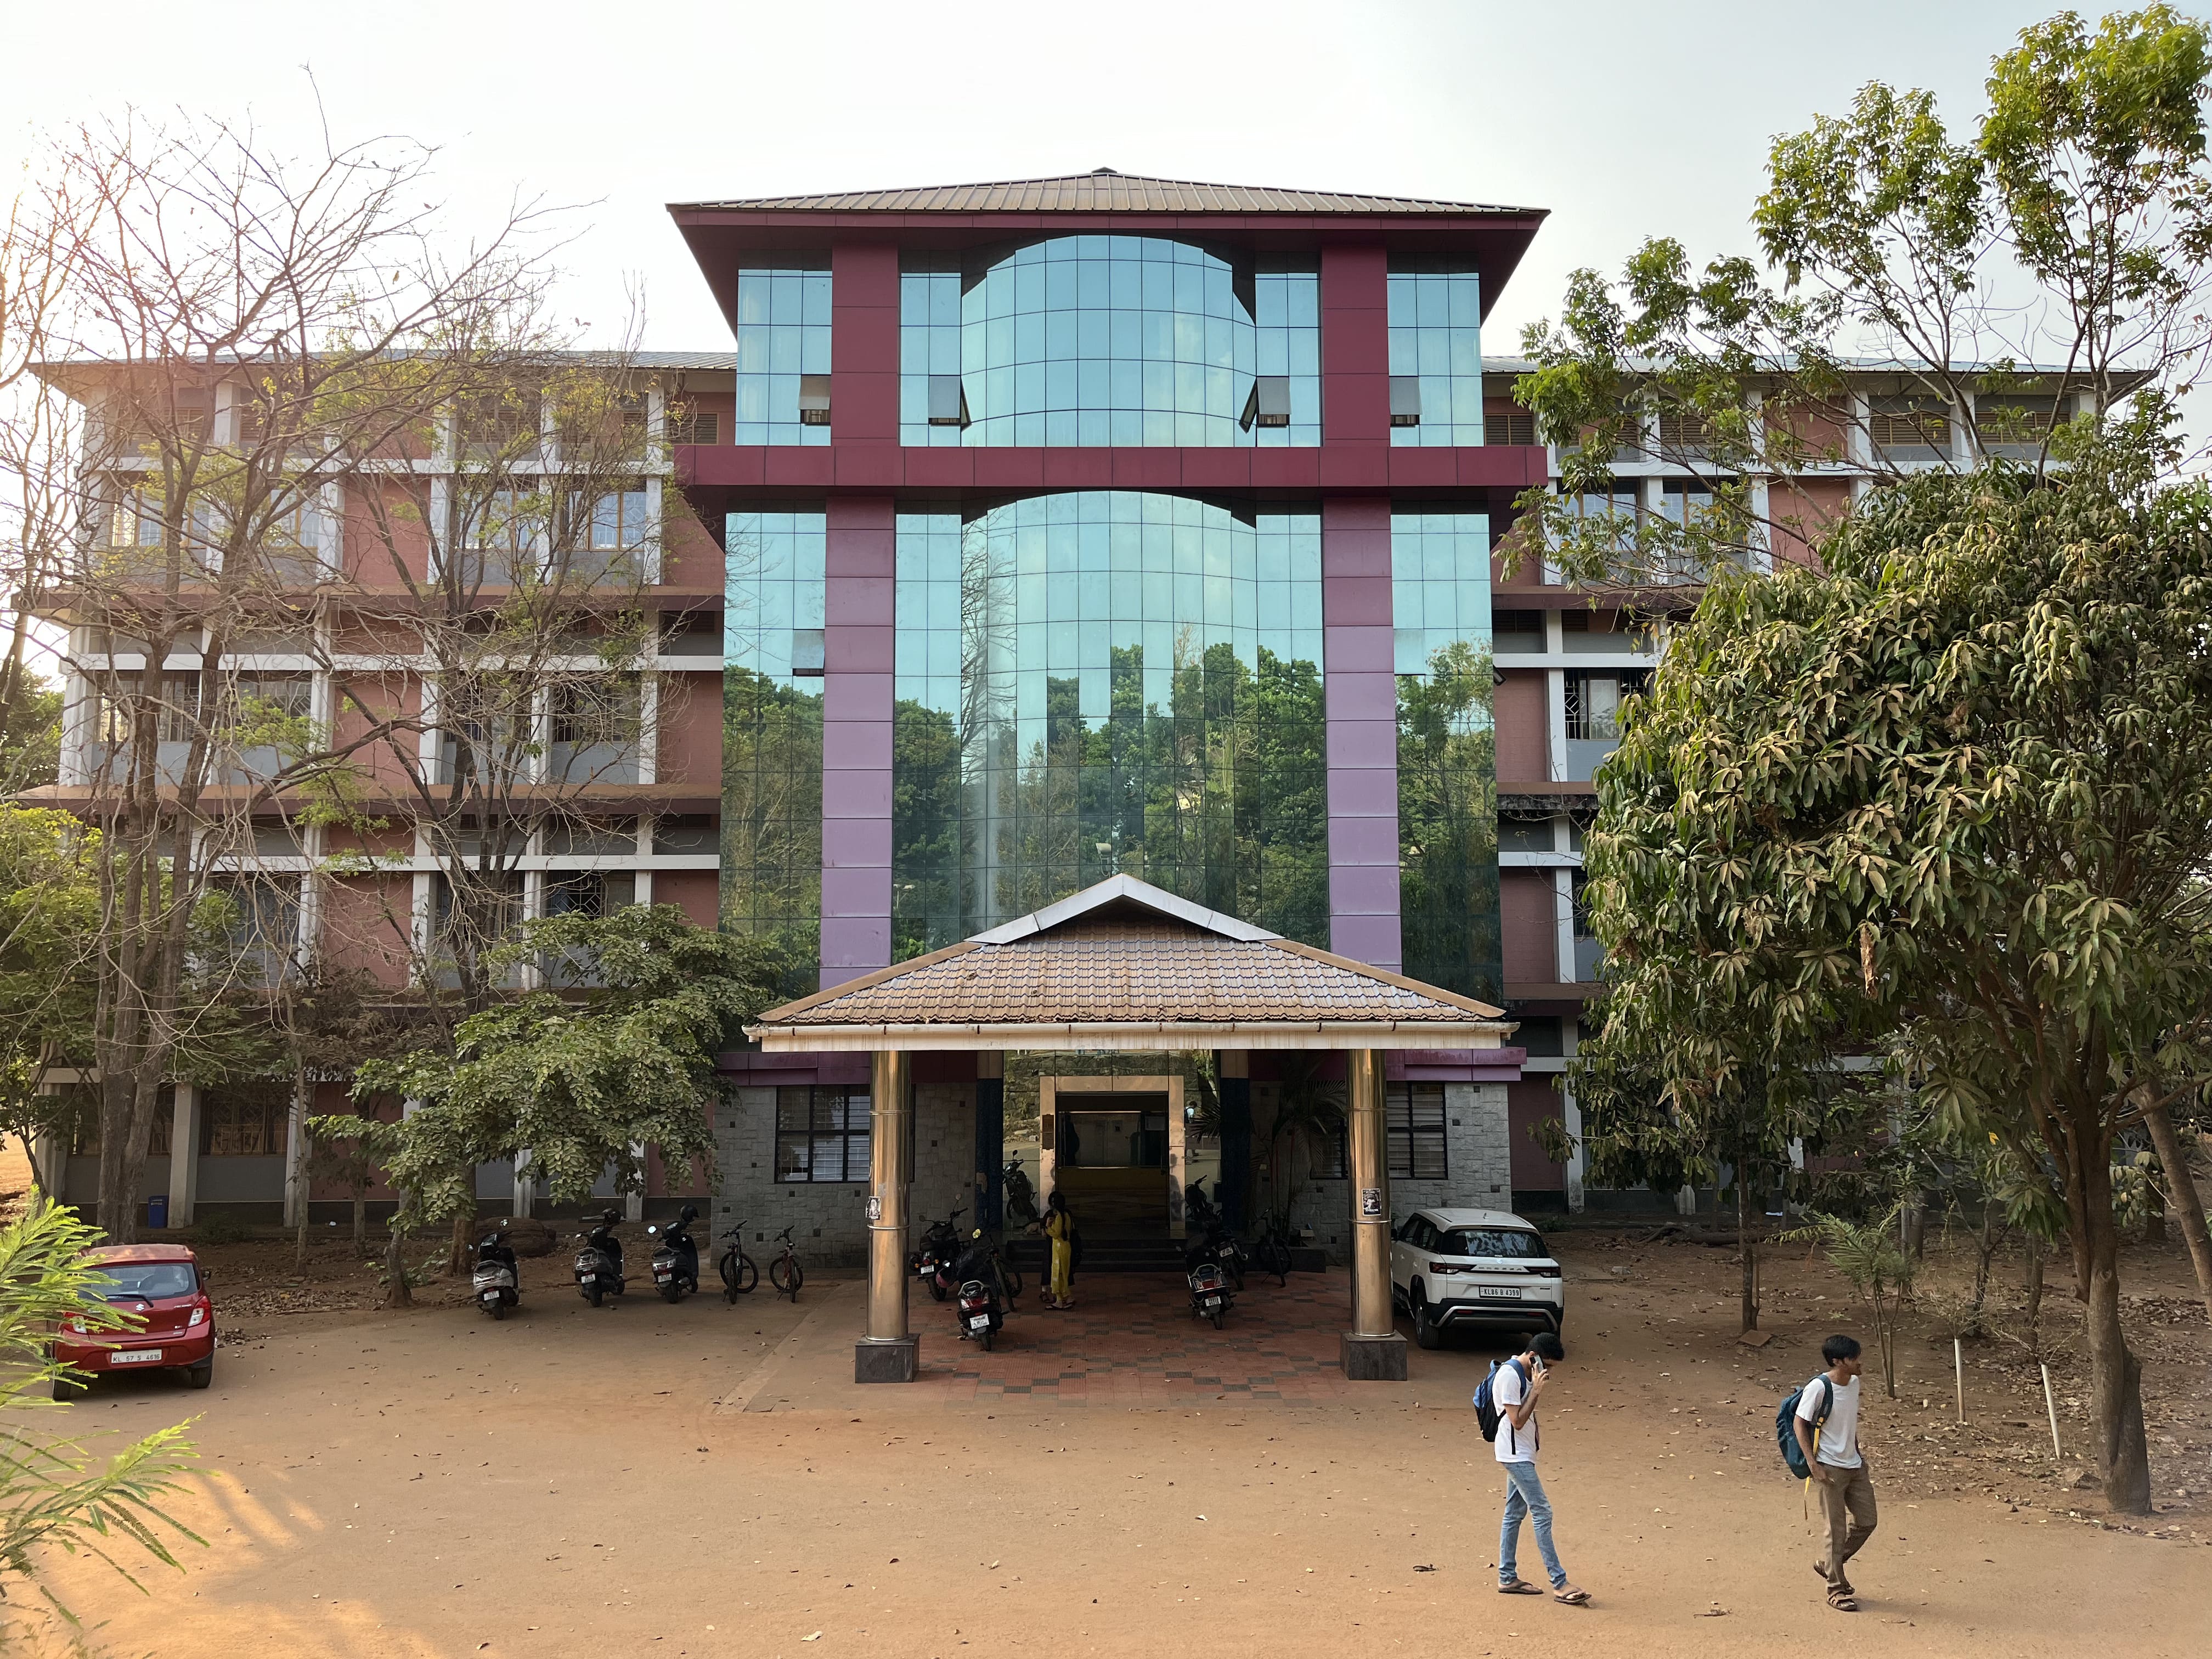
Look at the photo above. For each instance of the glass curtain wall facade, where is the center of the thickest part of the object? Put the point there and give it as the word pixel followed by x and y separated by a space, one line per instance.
pixel 1108 340
pixel 1447 752
pixel 1101 681
pixel 783 352
pixel 1435 357
pixel 772 688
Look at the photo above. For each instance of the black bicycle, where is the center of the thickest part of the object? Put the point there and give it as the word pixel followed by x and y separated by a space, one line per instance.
pixel 1271 1251
pixel 785 1272
pixel 740 1275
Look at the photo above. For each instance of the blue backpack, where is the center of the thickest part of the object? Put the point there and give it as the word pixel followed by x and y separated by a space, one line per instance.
pixel 1487 1417
pixel 1785 1428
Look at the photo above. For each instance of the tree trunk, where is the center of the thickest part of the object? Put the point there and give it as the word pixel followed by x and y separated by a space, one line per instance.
pixel 2115 1375
pixel 463 1244
pixel 1915 1221
pixel 2037 1249
pixel 360 1221
pixel 1748 1246
pixel 2188 1203
pixel 396 1294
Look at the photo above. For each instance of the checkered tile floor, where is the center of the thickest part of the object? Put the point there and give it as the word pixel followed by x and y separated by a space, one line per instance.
pixel 1131 1341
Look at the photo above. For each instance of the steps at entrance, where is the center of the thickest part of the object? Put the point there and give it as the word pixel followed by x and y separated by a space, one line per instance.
pixel 1103 1255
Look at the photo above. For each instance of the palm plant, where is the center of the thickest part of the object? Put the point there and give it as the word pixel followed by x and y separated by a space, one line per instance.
pixel 56 1490
pixel 1867 1254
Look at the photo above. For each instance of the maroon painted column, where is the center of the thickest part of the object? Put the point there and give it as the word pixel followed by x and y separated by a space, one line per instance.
pixel 861 571
pixel 1362 696
pixel 1355 358
pixel 863 354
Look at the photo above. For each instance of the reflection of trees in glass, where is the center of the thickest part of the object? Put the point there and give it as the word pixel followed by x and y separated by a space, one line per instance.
pixel 1220 796
pixel 1447 823
pixel 772 819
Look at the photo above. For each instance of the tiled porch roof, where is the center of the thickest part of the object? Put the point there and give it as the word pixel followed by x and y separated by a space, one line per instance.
pixel 1125 966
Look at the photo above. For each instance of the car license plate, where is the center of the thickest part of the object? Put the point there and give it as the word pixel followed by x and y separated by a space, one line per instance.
pixel 979 1321
pixel 1500 1292
pixel 135 1356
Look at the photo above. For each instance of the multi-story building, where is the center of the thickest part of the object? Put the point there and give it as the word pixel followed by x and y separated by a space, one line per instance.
pixel 1045 531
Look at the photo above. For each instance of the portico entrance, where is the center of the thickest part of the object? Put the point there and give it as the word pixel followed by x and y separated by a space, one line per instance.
pixel 1125 967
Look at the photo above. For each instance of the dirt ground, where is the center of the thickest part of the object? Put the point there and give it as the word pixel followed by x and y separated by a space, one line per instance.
pixel 705 1479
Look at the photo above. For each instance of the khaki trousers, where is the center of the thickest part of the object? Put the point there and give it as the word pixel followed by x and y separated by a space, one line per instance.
pixel 1847 1502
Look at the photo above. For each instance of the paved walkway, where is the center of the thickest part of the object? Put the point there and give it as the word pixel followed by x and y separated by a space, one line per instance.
pixel 1131 1341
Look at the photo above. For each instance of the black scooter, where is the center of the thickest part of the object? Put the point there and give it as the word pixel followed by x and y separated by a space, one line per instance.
pixel 600 1263
pixel 1021 1197
pixel 980 1316
pixel 940 1245
pixel 676 1260
pixel 497 1283
pixel 1211 1297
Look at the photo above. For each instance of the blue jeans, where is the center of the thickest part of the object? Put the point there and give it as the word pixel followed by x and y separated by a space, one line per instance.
pixel 1524 1495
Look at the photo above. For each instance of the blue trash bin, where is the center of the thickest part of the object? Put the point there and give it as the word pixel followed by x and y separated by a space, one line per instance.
pixel 157 1209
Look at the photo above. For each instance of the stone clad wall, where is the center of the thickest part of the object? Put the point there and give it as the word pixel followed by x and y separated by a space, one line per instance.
pixel 831 1221
pixel 1479 1154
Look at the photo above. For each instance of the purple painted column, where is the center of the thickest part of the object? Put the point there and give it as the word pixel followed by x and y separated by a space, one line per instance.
pixel 1362 694
pixel 860 569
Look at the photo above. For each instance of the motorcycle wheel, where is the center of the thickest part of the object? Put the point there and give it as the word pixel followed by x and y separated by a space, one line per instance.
pixel 985 1338
pixel 1219 1314
pixel 592 1293
pixel 672 1291
pixel 936 1287
pixel 499 1309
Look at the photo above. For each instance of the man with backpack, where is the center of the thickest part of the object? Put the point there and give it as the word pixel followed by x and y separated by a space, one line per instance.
pixel 1826 1422
pixel 1505 1407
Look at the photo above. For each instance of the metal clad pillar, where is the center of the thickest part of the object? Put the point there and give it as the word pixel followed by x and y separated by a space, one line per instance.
pixel 1372 1351
pixel 990 1140
pixel 1233 1068
pixel 888 1352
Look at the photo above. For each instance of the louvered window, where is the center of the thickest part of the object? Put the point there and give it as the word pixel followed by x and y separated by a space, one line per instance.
pixel 1414 1132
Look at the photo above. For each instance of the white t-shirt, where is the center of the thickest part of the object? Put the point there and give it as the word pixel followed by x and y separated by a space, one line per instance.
pixel 1838 1446
pixel 1514 1445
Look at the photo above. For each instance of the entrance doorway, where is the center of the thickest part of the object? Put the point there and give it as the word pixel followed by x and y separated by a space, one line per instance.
pixel 1114 1146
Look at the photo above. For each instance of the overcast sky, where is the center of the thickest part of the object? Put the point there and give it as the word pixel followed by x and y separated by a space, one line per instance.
pixel 1623 119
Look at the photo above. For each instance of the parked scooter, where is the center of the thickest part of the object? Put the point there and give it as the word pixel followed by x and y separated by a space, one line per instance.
pixel 676 1262
pixel 496 1282
pixel 981 1314
pixel 1211 1297
pixel 1021 1197
pixel 1199 1213
pixel 600 1263
pixel 940 1246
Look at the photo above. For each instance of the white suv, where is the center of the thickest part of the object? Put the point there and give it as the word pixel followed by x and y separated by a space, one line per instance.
pixel 1486 1268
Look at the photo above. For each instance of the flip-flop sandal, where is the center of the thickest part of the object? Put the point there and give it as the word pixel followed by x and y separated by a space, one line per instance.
pixel 1843 1584
pixel 1842 1602
pixel 1519 1587
pixel 1572 1598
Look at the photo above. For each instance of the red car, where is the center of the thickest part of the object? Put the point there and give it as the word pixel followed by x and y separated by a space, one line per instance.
pixel 163 1284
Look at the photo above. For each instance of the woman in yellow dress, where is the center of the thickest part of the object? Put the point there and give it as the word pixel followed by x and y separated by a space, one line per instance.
pixel 1060 1228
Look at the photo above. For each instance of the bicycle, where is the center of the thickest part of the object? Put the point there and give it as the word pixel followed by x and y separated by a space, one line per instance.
pixel 740 1275
pixel 785 1272
pixel 1271 1251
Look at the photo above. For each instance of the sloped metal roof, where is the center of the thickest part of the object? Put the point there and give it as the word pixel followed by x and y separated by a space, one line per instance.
pixel 1102 191
pixel 1123 965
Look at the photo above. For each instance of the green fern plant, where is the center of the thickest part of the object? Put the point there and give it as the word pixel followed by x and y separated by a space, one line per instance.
pixel 1867 1253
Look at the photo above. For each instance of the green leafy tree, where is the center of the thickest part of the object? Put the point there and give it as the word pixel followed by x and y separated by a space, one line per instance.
pixel 56 1491
pixel 621 1056
pixel 1961 784
pixel 48 908
pixel 2057 249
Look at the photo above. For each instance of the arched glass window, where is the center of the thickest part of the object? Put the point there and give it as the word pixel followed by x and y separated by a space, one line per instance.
pixel 1109 340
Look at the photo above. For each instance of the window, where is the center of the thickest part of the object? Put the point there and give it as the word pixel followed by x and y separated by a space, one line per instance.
pixel 592 893
pixel 619 520
pixel 1269 404
pixel 783 352
pixel 692 426
pixel 1593 706
pixel 486 912
pixel 948 401
pixel 505 419
pixel 590 711
pixel 2015 421
pixel 134 520
pixel 814 400
pixel 822 1134
pixel 1501 1243
pixel 257 700
pixel 1405 400
pixel 1331 1154
pixel 1414 1132
pixel 1913 422
pixel 1507 423
pixel 1684 430
pixel 244 1122
pixel 497 528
